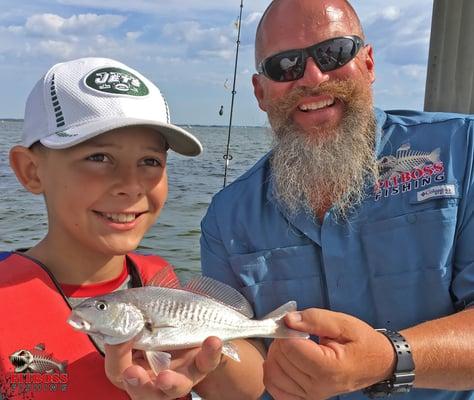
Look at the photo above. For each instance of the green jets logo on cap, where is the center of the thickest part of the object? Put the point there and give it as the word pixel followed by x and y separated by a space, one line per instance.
pixel 116 81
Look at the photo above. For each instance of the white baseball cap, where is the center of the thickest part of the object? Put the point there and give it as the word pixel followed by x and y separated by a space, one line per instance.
pixel 79 99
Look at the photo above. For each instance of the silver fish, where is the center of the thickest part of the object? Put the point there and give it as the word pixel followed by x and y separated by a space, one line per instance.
pixel 405 160
pixel 171 317
pixel 36 360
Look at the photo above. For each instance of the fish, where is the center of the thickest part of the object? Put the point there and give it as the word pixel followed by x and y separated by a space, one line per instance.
pixel 166 316
pixel 405 160
pixel 36 360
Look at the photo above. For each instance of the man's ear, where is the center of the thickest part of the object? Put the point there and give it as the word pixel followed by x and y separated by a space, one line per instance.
pixel 370 63
pixel 258 91
pixel 25 164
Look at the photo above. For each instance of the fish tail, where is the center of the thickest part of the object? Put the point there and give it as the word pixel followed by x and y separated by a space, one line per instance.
pixel 282 331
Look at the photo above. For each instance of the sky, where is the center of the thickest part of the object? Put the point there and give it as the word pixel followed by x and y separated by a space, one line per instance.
pixel 188 47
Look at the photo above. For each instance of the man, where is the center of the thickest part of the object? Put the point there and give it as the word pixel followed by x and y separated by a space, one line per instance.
pixel 365 218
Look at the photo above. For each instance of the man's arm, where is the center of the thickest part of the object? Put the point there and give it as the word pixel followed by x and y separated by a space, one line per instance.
pixel 351 355
pixel 443 351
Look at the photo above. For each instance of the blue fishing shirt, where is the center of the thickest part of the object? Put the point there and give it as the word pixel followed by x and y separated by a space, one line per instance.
pixel 405 256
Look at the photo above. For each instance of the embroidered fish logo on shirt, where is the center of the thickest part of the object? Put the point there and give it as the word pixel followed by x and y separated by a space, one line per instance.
pixel 405 160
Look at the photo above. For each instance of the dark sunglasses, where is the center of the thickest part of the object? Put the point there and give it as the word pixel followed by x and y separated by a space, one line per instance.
pixel 329 55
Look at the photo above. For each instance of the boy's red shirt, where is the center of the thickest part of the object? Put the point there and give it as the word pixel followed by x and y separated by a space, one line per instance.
pixel 34 318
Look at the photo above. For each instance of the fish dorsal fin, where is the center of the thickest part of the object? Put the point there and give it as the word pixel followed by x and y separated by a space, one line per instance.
pixel 220 292
pixel 165 277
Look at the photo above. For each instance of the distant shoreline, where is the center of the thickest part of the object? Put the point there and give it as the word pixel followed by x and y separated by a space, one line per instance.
pixel 196 125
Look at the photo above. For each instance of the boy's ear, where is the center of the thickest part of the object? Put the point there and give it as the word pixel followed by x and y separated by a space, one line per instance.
pixel 25 164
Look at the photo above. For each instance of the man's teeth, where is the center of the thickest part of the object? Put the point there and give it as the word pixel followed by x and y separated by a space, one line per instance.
pixel 116 217
pixel 316 106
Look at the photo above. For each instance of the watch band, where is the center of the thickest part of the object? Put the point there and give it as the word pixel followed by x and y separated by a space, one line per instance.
pixel 404 375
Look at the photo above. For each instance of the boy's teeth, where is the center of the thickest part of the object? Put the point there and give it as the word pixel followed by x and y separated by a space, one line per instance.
pixel 316 106
pixel 115 217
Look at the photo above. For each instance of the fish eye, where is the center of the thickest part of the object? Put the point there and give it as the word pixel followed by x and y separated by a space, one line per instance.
pixel 101 305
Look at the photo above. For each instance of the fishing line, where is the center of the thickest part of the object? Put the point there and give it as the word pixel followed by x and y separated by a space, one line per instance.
pixel 228 157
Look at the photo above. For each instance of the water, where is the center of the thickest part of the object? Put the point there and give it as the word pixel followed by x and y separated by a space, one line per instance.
pixel 192 182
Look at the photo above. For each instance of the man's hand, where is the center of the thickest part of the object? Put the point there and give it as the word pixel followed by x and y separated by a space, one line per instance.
pixel 350 356
pixel 130 371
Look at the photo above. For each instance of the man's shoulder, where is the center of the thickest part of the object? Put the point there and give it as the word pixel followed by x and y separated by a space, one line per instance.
pixel 411 118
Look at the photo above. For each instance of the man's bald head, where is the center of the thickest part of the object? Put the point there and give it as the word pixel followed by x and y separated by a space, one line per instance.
pixel 316 11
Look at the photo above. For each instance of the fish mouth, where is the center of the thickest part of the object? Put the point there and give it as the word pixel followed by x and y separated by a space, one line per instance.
pixel 79 323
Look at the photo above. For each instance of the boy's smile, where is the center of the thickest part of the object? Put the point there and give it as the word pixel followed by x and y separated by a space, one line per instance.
pixel 104 194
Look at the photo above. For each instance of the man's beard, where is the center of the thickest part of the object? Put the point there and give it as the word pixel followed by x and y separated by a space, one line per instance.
pixel 328 166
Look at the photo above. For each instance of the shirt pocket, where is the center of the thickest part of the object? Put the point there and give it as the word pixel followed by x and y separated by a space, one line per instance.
pixel 270 278
pixel 409 258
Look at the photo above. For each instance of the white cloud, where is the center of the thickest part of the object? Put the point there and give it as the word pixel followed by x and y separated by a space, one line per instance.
pixel 166 7
pixel 417 72
pixel 198 40
pixel 252 18
pixel 52 24
pixel 133 35
pixel 391 13
pixel 54 48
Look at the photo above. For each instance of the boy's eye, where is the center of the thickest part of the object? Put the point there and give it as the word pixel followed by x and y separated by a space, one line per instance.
pixel 152 162
pixel 98 158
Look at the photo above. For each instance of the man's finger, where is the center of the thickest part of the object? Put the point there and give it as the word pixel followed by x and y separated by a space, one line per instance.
pixel 117 359
pixel 275 373
pixel 279 394
pixel 320 322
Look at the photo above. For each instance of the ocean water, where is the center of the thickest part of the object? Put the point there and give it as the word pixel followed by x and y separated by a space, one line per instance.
pixel 192 183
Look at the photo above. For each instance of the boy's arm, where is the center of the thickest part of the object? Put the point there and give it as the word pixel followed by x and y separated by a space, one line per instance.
pixel 236 380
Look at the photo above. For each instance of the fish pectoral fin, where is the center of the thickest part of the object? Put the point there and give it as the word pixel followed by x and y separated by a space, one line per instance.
pixel 230 350
pixel 158 360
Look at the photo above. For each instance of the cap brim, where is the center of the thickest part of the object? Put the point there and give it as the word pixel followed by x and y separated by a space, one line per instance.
pixel 179 140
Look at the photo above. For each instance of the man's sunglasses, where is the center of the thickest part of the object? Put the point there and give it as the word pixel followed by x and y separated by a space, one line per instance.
pixel 329 55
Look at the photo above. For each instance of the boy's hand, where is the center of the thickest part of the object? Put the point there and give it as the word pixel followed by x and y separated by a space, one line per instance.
pixel 130 371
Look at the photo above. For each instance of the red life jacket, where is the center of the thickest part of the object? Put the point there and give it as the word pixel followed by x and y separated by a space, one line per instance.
pixel 34 311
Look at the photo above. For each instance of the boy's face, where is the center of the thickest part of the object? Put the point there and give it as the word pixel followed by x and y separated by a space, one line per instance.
pixel 104 194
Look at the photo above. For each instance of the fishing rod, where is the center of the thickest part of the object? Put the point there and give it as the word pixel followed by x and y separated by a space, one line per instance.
pixel 228 157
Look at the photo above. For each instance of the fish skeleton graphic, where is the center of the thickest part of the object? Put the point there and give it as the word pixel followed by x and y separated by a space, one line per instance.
pixel 36 360
pixel 405 160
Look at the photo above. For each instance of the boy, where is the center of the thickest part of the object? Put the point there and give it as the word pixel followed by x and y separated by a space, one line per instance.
pixel 95 138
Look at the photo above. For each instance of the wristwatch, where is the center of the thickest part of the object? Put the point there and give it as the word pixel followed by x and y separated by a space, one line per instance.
pixel 402 379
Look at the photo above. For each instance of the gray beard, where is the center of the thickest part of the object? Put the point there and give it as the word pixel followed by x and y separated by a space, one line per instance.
pixel 314 172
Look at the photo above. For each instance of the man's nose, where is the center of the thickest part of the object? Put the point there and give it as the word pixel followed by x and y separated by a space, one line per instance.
pixel 313 76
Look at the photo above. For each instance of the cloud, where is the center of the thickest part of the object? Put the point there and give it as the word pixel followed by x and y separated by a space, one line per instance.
pixel 133 35
pixel 391 13
pixel 400 36
pixel 55 25
pixel 199 40
pixel 164 7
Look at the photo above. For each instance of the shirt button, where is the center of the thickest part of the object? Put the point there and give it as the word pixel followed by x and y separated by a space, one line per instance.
pixel 411 218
